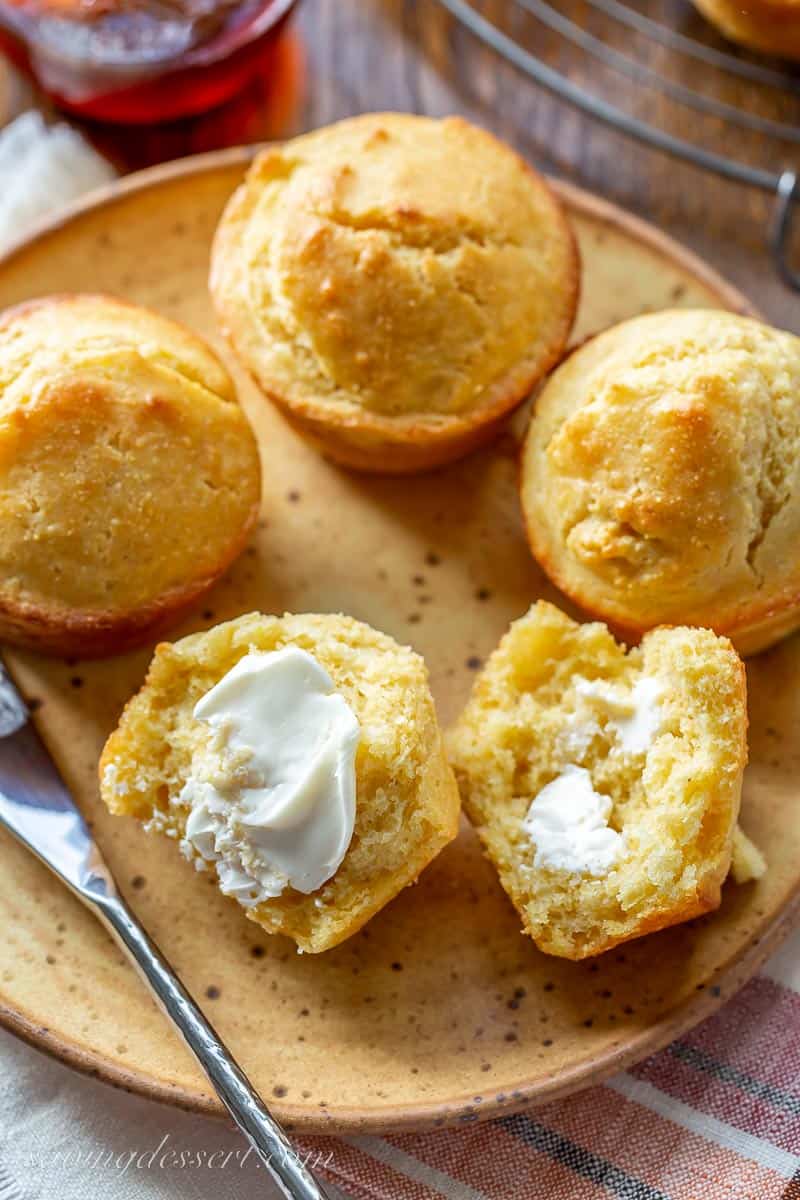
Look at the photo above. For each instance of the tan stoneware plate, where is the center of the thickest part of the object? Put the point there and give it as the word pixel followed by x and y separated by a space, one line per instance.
pixel 440 1011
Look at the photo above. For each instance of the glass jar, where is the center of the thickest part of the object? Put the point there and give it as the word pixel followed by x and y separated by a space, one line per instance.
pixel 141 61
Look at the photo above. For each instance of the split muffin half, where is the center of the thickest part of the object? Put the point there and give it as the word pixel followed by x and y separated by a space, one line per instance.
pixel 299 758
pixel 605 785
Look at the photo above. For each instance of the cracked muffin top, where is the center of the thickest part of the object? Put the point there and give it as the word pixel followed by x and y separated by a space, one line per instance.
pixel 661 476
pixel 129 476
pixel 394 277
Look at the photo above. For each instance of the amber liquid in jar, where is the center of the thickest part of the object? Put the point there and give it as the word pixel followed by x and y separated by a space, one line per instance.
pixel 139 61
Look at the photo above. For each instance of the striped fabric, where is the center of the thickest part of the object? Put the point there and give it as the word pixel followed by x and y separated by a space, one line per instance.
pixel 715 1116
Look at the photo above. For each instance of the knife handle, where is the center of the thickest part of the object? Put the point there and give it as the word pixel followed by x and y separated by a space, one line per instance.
pixel 231 1084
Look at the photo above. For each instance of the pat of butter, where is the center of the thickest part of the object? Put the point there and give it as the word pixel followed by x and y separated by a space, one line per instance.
pixel 273 798
pixel 635 715
pixel 568 824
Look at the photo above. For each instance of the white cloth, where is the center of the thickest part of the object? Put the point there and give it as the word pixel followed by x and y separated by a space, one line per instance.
pixel 43 167
pixel 66 1137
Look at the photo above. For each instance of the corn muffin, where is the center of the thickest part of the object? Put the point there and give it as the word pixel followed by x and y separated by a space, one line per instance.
pixel 396 285
pixel 771 26
pixel 129 476
pixel 660 476
pixel 293 871
pixel 605 786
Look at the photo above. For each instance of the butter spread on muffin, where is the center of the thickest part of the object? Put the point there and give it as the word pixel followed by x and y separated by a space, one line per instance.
pixel 280 852
pixel 605 785
pixel 272 800
pixel 661 477
pixel 396 285
pixel 129 476
pixel 568 825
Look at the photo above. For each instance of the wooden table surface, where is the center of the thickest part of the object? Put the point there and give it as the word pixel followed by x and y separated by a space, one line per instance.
pixel 350 56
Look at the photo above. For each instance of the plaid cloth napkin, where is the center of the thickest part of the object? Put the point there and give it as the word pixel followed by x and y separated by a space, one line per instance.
pixel 716 1116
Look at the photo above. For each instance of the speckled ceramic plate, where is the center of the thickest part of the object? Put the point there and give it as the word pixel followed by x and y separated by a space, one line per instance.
pixel 440 1010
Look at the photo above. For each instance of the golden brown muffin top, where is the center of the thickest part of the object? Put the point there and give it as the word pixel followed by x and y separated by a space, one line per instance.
pixel 661 475
pixel 395 265
pixel 127 468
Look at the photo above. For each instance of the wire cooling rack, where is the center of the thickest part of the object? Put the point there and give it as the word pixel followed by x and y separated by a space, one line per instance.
pixel 636 27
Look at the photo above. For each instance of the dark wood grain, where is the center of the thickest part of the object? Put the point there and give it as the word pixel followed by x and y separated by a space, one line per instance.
pixel 363 55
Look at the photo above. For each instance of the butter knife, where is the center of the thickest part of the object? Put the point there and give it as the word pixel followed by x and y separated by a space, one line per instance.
pixel 37 808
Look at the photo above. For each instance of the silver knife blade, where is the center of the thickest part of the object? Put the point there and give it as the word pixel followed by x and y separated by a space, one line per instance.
pixel 36 805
